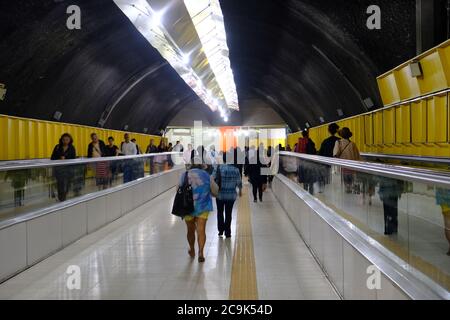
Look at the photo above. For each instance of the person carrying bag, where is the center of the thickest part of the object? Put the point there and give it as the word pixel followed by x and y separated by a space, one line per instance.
pixel 347 150
pixel 193 203
pixel 183 204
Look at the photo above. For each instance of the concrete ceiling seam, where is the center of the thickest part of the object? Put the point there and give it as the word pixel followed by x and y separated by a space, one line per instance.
pixel 128 86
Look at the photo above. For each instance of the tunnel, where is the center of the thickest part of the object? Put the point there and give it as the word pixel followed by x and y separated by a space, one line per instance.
pixel 225 154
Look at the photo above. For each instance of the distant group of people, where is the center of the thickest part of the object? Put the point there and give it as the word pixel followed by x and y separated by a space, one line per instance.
pixel 389 190
pixel 162 162
pixel 308 173
pixel 105 171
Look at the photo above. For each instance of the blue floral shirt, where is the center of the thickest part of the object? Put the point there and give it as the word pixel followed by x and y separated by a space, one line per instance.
pixel 201 189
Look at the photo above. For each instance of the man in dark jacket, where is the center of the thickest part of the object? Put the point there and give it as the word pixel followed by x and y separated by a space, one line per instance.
pixel 152 148
pixel 256 177
pixel 326 149
pixel 306 172
pixel 390 191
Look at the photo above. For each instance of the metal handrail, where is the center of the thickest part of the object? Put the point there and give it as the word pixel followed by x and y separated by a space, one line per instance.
pixel 390 171
pixel 73 202
pixel 433 160
pixel 47 163
pixel 414 283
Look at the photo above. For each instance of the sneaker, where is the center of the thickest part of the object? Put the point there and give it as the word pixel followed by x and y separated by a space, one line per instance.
pixel 255 201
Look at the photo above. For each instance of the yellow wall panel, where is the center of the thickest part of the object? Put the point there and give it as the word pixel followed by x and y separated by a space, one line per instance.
pixel 378 128
pixel 433 74
pixel 419 122
pixel 444 53
pixel 368 126
pixel 3 135
pixel 22 138
pixel 388 89
pixel 436 119
pixel 40 142
pixel 292 139
pixel 399 85
pixel 389 126
pixel 408 86
pixel 403 124
pixel 413 126
pixel 28 130
pixel 14 139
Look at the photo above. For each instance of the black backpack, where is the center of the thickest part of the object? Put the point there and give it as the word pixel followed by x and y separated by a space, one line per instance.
pixel 183 204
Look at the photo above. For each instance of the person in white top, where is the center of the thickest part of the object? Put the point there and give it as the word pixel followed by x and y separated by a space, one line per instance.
pixel 212 155
pixel 178 147
pixel 187 154
pixel 128 148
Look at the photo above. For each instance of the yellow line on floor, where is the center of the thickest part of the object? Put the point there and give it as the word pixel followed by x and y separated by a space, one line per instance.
pixel 243 272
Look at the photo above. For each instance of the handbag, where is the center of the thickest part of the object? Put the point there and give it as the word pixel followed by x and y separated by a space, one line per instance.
pixel 183 203
pixel 339 154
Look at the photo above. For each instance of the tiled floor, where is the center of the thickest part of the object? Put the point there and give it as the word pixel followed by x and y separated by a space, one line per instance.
pixel 143 255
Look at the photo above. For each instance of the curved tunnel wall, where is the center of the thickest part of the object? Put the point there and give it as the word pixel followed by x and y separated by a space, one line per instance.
pixel 49 68
pixel 304 58
pixel 416 116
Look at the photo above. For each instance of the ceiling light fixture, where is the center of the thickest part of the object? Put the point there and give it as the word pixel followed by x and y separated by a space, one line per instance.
pixel 166 28
pixel 186 59
pixel 208 21
pixel 157 19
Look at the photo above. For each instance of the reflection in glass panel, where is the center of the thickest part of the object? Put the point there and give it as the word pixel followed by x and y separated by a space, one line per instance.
pixel 410 219
pixel 26 190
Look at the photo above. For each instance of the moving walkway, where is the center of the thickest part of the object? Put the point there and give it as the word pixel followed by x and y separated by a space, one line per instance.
pixel 354 215
pixel 47 205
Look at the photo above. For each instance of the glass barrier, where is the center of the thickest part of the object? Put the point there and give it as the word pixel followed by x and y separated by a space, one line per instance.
pixel 409 217
pixel 437 164
pixel 26 186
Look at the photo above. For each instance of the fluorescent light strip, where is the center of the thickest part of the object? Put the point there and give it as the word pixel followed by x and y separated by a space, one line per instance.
pixel 151 25
pixel 208 21
pixel 213 39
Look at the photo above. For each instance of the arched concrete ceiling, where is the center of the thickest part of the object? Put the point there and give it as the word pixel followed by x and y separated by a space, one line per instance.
pixel 304 58
pixel 312 57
